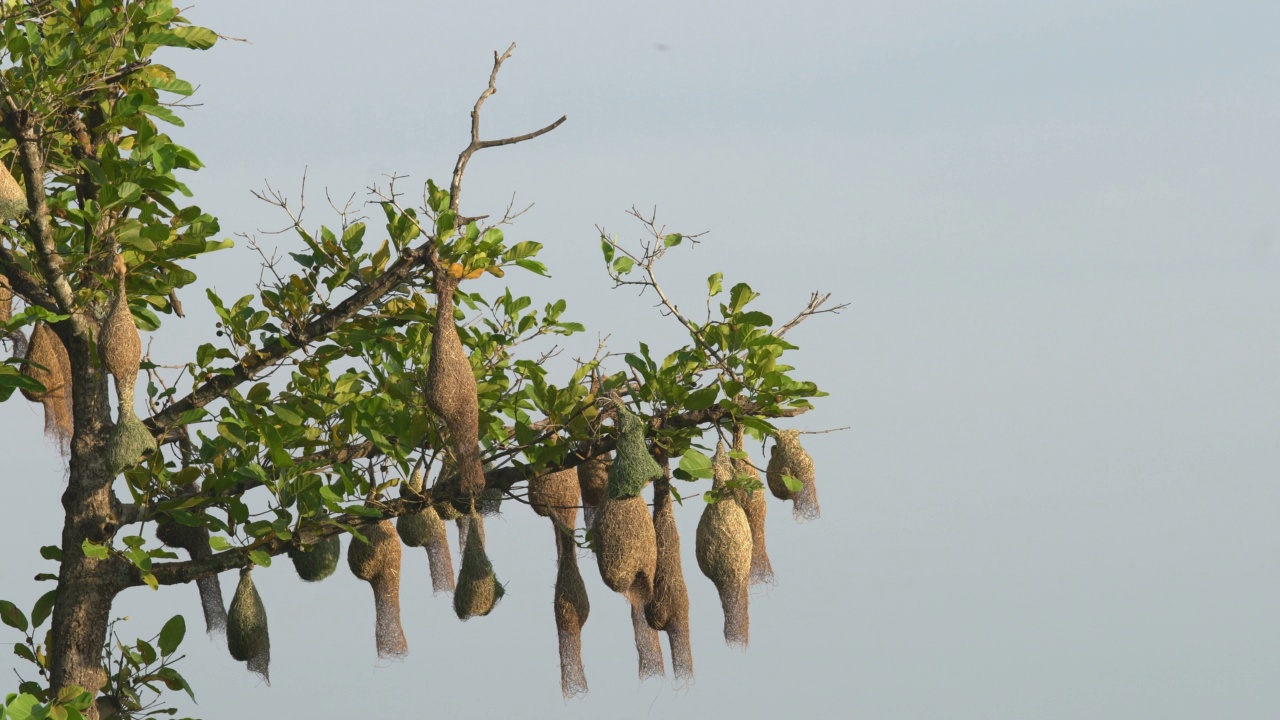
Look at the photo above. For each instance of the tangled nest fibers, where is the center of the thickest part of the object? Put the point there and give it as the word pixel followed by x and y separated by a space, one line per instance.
pixel 377 562
pixel 13 201
pixel 789 458
pixel 317 561
pixel 46 349
pixel 723 549
pixel 753 503
pixel 247 637
pixel 426 529
pixel 571 604
pixel 195 540
pixel 478 589
pixel 451 389
pixel 593 482
pixel 633 467
pixel 668 609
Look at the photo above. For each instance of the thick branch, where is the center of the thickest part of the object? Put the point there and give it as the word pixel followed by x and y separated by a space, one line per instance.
pixel 27 286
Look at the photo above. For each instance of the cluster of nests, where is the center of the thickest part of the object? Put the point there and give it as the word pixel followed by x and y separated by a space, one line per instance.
pixel 637 551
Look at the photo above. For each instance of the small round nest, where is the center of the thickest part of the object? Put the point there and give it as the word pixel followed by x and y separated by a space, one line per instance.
pixel 247 637
pixel 478 589
pixel 787 457
pixel 377 562
pixel 319 561
pixel 130 441
pixel 555 495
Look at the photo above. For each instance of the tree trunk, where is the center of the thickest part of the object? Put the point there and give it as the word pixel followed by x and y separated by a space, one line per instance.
pixel 86 587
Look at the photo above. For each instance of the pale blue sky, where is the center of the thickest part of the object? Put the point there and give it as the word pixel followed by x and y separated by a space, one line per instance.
pixel 1056 224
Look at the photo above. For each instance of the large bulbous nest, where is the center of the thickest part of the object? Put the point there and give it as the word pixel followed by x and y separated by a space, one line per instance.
pixel 723 549
pixel 626 548
pixel 478 589
pixel 317 561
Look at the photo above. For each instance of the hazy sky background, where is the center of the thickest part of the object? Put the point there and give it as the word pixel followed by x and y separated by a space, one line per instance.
pixel 1057 226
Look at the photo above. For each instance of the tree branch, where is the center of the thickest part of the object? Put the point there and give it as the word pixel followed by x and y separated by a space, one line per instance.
pixel 816 301
pixel 455 187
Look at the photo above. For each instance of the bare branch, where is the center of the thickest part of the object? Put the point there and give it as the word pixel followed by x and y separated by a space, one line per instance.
pixel 816 301
pixel 455 186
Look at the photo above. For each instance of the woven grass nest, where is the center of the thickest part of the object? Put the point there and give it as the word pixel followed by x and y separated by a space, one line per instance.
pixel 318 560
pixel 54 373
pixel 451 390
pixel 247 636
pixel 570 603
pixel 478 590
pixel 723 549
pixel 593 483
pixel 120 348
pixel 789 458
pixel 377 562
pixel 13 200
pixel 668 608
pixel 426 529
pixel 753 503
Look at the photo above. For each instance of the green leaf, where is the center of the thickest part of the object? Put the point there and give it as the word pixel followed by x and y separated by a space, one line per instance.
pixel 24 707
pixel 93 550
pixel 51 552
pixel 521 250
pixel 623 265
pixel 607 248
pixel 10 615
pixel 702 399
pixel 171 635
pixel 792 484
pixel 713 284
pixel 260 557
pixel 44 606
pixel 195 37
pixel 696 465
pixel 174 681
pixel 672 240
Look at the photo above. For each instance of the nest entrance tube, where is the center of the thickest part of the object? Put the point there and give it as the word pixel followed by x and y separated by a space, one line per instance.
pixel 754 505
pixel 571 604
pixel 196 542
pixel 377 562
pixel 668 609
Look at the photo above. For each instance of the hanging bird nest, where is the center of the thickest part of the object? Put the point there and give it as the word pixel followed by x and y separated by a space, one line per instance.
pixel 790 459
pixel 247 636
pixel 195 540
pixel 13 200
pixel 425 529
pixel 724 553
pixel 451 389
pixel 668 609
pixel 754 505
pixel 318 560
pixel 54 373
pixel 120 348
pixel 478 589
pixel 571 606
pixel 593 483
pixel 377 562
pixel 633 467
pixel 555 495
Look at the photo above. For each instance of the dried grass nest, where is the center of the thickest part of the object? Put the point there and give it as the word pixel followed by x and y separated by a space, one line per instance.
pixel 377 562
pixel 789 458
pixel 723 549
pixel 247 636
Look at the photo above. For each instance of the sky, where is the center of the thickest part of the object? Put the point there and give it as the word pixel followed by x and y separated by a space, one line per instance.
pixel 1055 226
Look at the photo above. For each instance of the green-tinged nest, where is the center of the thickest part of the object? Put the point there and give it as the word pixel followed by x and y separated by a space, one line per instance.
pixel 478 589
pixel 555 495
pixel 571 610
pixel 377 562
pixel 723 549
pixel 318 561
pixel 46 350
pixel 13 201
pixel 129 442
pixel 626 549
pixel 247 637
pixel 790 459
pixel 195 540
pixel 633 467
pixel 593 483
pixel 753 503
pixel 668 609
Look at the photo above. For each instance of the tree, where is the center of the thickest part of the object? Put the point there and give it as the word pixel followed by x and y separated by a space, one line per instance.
pixel 406 397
